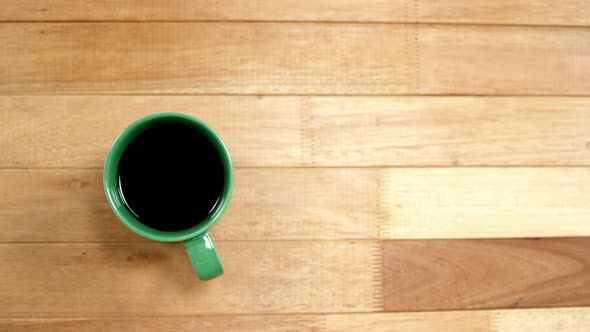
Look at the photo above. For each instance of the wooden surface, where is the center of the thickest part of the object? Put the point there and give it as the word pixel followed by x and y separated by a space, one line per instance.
pixel 402 165
pixel 293 58
pixel 540 12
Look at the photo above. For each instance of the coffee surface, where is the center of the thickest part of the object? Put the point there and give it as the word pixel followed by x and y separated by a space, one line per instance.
pixel 171 177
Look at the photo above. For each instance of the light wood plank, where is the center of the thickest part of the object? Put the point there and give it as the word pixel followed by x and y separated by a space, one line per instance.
pixel 290 58
pixel 302 204
pixel 483 274
pixel 70 205
pixel 514 320
pixel 181 58
pixel 305 204
pixel 73 280
pixel 558 320
pixel 271 323
pixel 492 60
pixel 76 131
pixel 262 10
pixel 449 131
pixel 322 204
pixel 545 12
pixel 452 321
pixel 484 202
pixel 538 12
pixel 517 320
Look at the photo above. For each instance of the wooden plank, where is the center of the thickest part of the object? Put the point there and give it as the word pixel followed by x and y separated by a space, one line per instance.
pixel 271 323
pixel 484 274
pixel 516 320
pixel 291 277
pixel 546 12
pixel 182 58
pixel 493 60
pixel 74 280
pixel 448 131
pixel 174 10
pixel 291 58
pixel 484 202
pixel 40 131
pixel 77 131
pixel 452 321
pixel 559 320
pixel 68 205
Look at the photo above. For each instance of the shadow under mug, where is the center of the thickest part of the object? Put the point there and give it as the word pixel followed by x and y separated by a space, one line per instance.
pixel 198 243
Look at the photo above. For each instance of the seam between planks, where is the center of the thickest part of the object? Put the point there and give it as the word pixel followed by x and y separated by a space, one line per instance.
pixel 381 214
pixel 407 47
pixel 493 321
pixel 306 133
pixel 296 167
pixel 311 95
pixel 131 21
pixel 322 323
pixel 377 280
pixel 417 72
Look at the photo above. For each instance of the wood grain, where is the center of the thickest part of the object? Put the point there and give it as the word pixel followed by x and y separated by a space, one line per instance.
pixel 76 131
pixel 545 12
pixel 449 131
pixel 514 320
pixel 257 10
pixel 521 320
pixel 559 320
pixel 495 60
pixel 290 58
pixel 309 204
pixel 539 12
pixel 349 123
pixel 477 274
pixel 272 204
pixel 484 202
pixel 73 280
pixel 183 58
pixel 271 323
pixel 294 277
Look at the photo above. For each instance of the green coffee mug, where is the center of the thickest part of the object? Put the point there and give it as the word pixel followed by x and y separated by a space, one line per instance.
pixel 199 245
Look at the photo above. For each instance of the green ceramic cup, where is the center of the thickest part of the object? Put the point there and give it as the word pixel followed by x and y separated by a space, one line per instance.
pixel 198 243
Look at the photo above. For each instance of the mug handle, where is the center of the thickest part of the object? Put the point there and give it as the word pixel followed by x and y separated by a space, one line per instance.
pixel 203 256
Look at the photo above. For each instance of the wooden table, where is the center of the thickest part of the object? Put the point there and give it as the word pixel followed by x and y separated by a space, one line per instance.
pixel 401 165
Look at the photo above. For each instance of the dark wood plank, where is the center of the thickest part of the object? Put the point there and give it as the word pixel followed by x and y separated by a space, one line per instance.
pixel 476 274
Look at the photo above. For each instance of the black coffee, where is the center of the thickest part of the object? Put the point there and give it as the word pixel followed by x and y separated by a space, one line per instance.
pixel 171 177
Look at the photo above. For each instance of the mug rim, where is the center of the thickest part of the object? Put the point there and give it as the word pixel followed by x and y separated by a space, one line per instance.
pixel 111 181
